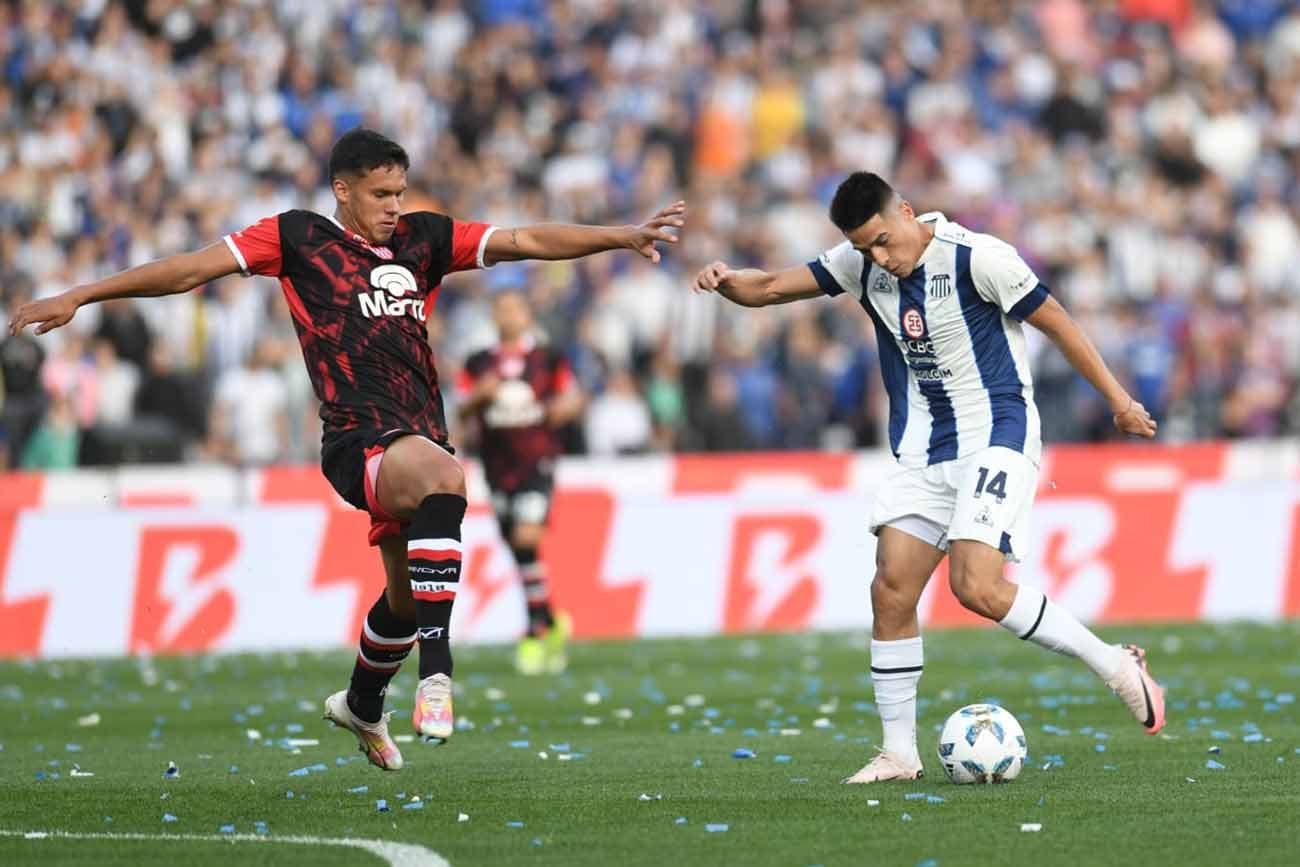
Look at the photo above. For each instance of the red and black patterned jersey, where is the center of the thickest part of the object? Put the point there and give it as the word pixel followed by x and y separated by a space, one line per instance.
pixel 515 435
pixel 361 311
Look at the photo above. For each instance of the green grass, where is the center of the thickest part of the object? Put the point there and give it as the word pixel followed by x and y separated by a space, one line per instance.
pixel 1132 803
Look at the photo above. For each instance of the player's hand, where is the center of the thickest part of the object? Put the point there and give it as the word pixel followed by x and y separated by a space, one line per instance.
pixel 46 314
pixel 657 228
pixel 1135 420
pixel 711 277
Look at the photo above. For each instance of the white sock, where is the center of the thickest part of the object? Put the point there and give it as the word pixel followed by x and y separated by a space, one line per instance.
pixel 1034 617
pixel 895 672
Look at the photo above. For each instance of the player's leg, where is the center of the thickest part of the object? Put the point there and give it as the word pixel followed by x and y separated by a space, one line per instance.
pixel 422 485
pixel 907 554
pixel 990 522
pixel 387 636
pixel 548 630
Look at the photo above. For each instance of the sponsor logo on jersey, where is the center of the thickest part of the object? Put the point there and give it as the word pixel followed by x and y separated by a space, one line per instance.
pixel 393 284
pixel 940 286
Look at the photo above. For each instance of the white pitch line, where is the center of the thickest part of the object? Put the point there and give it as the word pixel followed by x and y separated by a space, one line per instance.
pixel 396 854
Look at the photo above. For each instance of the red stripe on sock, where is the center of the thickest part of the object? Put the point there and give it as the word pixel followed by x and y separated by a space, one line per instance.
pixel 395 647
pixel 361 661
pixel 434 596
pixel 433 554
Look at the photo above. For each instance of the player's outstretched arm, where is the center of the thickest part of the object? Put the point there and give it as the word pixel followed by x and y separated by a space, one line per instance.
pixel 751 287
pixel 561 241
pixel 169 276
pixel 1129 416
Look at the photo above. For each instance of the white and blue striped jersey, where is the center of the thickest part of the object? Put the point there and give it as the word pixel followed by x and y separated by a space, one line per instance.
pixel 952 352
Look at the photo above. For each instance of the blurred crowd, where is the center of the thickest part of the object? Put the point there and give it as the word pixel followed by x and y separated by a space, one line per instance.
pixel 1144 155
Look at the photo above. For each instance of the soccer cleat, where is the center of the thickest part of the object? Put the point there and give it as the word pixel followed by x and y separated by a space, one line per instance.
pixel 886 766
pixel 432 717
pixel 530 656
pixel 372 738
pixel 1138 689
pixel 556 642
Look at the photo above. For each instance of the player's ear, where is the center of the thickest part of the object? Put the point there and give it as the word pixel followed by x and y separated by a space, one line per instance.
pixel 905 209
pixel 341 190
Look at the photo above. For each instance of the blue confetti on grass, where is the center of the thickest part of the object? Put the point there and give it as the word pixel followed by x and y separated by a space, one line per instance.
pixel 227 829
pixel 72 748
pixel 680 820
pixel 260 827
pixel 1214 766
pixel 289 795
pixel 381 805
pixel 519 745
pixel 717 827
pixel 781 759
pixel 293 728
pixel 914 796
pixel 907 817
pixel 1253 738
pixel 928 862
pixel 743 753
pixel 413 805
pixel 299 772
pixel 40 775
pixel 358 790
pixel 168 817
pixel 934 799
pixel 234 769
pixel 514 824
pixel 1101 748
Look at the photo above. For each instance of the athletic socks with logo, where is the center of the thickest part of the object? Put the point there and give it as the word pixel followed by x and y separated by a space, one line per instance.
pixel 433 553
pixel 537 597
pixel 1034 617
pixel 895 672
pixel 386 641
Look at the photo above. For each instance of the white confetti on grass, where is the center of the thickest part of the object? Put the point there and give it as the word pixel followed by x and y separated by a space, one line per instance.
pixel 395 854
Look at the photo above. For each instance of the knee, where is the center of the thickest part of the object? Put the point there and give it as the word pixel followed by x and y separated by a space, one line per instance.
pixel 526 536
pixel 890 592
pixel 975 592
pixel 441 477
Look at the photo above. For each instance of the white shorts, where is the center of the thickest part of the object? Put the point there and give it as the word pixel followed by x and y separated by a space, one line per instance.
pixel 985 496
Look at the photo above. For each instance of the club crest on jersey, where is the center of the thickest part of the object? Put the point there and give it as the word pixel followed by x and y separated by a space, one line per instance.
pixel 940 286
pixel 882 283
pixel 393 283
pixel 913 323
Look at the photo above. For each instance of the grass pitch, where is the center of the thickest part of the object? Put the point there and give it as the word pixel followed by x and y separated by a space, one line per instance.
pixel 628 759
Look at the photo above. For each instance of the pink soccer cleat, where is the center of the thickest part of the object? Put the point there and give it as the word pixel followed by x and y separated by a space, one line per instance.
pixel 372 738
pixel 1138 689
pixel 886 766
pixel 432 717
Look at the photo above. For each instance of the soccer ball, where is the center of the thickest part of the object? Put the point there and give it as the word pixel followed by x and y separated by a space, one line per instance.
pixel 982 743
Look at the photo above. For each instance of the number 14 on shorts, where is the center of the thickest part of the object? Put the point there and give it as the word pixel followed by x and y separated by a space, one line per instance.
pixel 997 486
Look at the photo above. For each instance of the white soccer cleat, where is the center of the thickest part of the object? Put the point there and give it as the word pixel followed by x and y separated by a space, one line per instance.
pixel 1138 689
pixel 372 738
pixel 432 717
pixel 886 766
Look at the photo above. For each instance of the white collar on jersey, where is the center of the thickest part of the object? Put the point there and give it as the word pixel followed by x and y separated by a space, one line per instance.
pixel 944 230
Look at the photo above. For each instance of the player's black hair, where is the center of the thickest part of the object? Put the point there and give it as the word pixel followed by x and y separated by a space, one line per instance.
pixel 359 150
pixel 859 197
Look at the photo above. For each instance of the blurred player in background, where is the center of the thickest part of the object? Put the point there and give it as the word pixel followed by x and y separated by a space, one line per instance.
pixel 521 392
pixel 360 285
pixel 947 304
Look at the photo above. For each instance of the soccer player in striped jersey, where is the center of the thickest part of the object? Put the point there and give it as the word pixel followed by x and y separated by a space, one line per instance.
pixel 947 304
pixel 360 286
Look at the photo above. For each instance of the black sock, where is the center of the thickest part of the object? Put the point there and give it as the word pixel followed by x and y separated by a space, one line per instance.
pixel 386 640
pixel 537 595
pixel 433 557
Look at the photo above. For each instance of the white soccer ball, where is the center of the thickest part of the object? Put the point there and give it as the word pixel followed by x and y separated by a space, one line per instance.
pixel 982 743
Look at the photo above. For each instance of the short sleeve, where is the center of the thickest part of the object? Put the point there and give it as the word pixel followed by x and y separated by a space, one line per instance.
pixel 562 379
pixel 468 244
pixel 839 270
pixel 257 248
pixel 1001 277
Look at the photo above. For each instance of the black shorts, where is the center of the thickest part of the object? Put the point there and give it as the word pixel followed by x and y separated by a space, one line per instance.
pixel 350 461
pixel 526 503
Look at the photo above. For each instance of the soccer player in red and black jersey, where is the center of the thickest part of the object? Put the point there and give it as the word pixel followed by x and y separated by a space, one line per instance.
pixel 520 392
pixel 360 285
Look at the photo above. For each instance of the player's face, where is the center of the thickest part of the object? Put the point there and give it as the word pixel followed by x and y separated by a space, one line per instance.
pixel 372 202
pixel 891 239
pixel 512 316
